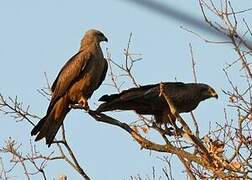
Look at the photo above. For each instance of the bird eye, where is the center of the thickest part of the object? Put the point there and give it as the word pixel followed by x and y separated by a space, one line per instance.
pixel 100 34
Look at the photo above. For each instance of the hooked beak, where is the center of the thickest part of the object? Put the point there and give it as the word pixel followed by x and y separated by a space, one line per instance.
pixel 214 94
pixel 105 39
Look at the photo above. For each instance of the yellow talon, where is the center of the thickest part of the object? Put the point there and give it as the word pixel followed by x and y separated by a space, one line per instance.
pixel 84 103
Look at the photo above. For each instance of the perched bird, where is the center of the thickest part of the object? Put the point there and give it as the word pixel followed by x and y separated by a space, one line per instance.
pixel 75 84
pixel 146 100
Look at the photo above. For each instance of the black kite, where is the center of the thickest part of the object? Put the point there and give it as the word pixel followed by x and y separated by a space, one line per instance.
pixel 146 100
pixel 75 83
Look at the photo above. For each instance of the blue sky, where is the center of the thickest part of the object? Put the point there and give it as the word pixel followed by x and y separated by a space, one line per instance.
pixel 41 36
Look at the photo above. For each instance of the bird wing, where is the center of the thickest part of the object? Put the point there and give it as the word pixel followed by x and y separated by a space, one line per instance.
pixel 127 99
pixel 142 99
pixel 104 72
pixel 68 75
pixel 147 91
pixel 129 94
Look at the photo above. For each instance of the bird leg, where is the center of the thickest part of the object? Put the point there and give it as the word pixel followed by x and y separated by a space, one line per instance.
pixel 168 130
pixel 178 132
pixel 84 103
pixel 165 119
pixel 172 120
pixel 165 131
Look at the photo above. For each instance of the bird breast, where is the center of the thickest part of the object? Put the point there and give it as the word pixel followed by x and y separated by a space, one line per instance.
pixel 88 81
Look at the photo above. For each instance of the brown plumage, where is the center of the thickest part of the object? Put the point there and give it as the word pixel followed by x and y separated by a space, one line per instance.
pixel 146 99
pixel 75 83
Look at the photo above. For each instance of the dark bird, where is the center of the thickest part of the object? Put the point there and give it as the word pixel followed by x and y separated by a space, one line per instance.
pixel 75 84
pixel 146 100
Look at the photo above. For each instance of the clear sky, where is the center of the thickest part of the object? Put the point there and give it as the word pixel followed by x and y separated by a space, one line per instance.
pixel 40 36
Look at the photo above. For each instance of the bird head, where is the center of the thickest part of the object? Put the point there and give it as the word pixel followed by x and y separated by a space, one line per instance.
pixel 212 92
pixel 208 92
pixel 94 36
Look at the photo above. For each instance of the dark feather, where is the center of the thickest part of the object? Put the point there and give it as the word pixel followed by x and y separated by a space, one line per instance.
pixel 68 75
pixel 146 100
pixel 37 128
pixel 68 63
pixel 103 73
pixel 75 83
pixel 50 124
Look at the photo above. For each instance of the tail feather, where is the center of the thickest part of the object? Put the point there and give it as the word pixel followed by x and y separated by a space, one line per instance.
pixel 117 104
pixel 123 100
pixel 49 125
pixel 108 98
pixel 108 101
pixel 37 128
pixel 43 129
pixel 104 107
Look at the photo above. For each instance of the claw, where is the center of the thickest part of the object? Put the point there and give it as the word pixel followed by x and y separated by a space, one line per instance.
pixel 178 132
pixel 84 103
pixel 169 131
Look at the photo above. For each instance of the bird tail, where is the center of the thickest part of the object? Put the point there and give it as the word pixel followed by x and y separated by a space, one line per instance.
pixel 108 98
pixel 103 107
pixel 49 125
pixel 111 106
